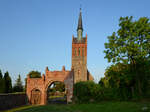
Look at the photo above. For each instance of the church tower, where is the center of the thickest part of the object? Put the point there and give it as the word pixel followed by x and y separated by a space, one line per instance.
pixel 79 53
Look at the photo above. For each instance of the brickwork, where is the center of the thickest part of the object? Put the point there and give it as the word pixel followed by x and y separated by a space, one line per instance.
pixel 79 60
pixel 42 84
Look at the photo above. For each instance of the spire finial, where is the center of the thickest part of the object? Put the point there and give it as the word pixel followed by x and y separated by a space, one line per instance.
pixel 80 7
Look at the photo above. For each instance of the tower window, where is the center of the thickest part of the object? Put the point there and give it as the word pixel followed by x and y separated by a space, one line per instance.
pixel 75 51
pixel 79 51
pixel 78 73
pixel 82 51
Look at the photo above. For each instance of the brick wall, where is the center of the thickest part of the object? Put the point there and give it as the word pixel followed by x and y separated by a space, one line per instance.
pixel 8 101
pixel 42 84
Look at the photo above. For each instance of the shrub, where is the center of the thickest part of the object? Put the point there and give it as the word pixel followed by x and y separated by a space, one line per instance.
pixel 87 92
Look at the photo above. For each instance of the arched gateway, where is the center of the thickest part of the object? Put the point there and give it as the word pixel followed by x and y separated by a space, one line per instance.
pixel 37 87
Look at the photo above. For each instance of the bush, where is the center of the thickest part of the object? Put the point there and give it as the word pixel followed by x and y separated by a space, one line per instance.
pixel 34 74
pixel 87 92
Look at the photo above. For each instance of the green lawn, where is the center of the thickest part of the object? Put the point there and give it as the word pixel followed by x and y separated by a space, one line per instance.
pixel 93 107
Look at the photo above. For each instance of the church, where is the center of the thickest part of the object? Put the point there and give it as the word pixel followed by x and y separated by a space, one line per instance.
pixel 37 87
pixel 79 54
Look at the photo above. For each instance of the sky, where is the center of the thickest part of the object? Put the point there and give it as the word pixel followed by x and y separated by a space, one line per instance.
pixel 38 33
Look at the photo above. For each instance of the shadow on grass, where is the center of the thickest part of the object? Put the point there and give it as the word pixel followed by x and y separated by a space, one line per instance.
pixel 91 107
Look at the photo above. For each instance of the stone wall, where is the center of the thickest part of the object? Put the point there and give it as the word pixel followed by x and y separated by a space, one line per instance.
pixel 8 101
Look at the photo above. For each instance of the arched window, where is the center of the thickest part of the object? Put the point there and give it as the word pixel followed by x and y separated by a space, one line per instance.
pixel 83 51
pixel 79 51
pixel 78 73
pixel 75 52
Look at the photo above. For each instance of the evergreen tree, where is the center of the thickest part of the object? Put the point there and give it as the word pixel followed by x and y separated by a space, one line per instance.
pixel 25 87
pixel 1 76
pixel 8 83
pixel 2 85
pixel 18 87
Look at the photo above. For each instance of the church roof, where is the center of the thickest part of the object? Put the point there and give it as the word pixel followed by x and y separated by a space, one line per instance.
pixel 80 21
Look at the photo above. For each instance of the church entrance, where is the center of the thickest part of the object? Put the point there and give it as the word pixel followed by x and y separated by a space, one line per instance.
pixel 35 96
pixel 56 93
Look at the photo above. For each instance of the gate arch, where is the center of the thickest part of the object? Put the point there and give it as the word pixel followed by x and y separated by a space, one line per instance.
pixel 43 83
pixel 54 94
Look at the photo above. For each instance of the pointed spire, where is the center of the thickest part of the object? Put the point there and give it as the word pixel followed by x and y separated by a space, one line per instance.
pixel 80 21
pixel 80 28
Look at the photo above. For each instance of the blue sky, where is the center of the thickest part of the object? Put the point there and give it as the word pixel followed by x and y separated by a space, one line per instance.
pixel 38 33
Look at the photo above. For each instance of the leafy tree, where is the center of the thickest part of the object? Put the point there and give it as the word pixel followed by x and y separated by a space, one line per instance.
pixel 35 74
pixel 59 86
pixel 2 83
pixel 18 87
pixel 8 83
pixel 130 45
pixel 56 86
pixel 120 80
pixel 130 42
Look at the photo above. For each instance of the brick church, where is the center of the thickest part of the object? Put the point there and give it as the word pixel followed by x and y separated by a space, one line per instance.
pixel 79 54
pixel 37 87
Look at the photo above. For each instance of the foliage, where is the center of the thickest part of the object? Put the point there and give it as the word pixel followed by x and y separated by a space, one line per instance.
pixel 123 82
pixel 91 107
pixel 87 92
pixel 25 87
pixel 18 87
pixel 59 86
pixel 2 83
pixel 129 50
pixel 56 87
pixel 8 83
pixel 34 74
pixel 130 42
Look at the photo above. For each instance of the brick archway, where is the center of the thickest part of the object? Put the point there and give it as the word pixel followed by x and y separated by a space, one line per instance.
pixel 48 92
pixel 50 76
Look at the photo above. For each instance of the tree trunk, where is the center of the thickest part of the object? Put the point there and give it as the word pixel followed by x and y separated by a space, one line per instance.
pixel 132 90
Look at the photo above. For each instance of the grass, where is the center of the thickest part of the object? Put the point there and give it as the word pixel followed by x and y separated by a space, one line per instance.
pixel 92 107
pixel 53 97
pixel 20 108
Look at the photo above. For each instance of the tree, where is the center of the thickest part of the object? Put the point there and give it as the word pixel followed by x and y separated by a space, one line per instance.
pixel 130 45
pixel 18 87
pixel 120 80
pixel 59 86
pixel 8 83
pixel 1 75
pixel 34 74
pixel 25 87
pixel 2 83
pixel 130 42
